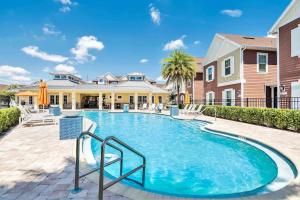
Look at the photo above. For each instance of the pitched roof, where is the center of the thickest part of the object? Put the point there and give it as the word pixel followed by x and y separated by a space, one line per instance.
pixel 290 13
pixel 199 62
pixel 250 41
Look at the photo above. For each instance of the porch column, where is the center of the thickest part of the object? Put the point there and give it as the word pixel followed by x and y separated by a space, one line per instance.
pixel 136 101
pixel 61 100
pixel 100 100
pixel 36 103
pixel 112 101
pixel 150 100
pixel 73 101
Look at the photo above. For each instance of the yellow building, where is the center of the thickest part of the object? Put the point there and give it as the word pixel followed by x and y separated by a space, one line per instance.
pixel 105 92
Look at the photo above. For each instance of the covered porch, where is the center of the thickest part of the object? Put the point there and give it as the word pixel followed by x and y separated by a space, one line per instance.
pixel 105 100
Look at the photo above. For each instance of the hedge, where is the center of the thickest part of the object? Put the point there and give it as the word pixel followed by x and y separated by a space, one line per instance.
pixel 8 118
pixel 271 117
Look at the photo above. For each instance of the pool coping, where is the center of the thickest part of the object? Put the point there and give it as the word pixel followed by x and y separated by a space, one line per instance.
pixel 136 193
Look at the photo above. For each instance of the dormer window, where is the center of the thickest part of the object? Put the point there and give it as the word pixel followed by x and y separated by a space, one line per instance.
pixel 63 77
pixel 136 78
pixel 57 77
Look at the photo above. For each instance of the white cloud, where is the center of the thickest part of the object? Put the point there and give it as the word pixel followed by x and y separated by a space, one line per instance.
pixel 65 9
pixel 160 79
pixel 232 13
pixel 197 42
pixel 84 44
pixel 10 74
pixel 65 68
pixel 35 52
pixel 155 15
pixel 144 60
pixel 175 44
pixel 49 29
pixel 46 69
pixel 66 5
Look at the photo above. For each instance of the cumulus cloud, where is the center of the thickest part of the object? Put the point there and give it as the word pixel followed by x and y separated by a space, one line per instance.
pixel 175 44
pixel 84 44
pixel 232 13
pixel 10 74
pixel 35 52
pixel 50 29
pixel 144 60
pixel 155 15
pixel 66 5
pixel 65 69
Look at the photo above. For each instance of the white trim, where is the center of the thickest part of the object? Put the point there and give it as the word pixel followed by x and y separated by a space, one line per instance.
pixel 274 27
pixel 257 62
pixel 228 40
pixel 278 71
pixel 242 74
pixel 213 73
pixel 224 96
pixel 231 58
pixel 295 33
pixel 231 83
pixel 207 97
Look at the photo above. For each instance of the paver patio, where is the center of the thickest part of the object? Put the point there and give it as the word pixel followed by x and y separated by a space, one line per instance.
pixel 35 164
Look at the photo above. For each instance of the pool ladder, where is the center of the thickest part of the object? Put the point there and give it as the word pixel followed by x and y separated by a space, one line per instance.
pixel 104 164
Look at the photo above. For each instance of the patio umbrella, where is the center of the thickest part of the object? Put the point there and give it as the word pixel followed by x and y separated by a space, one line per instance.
pixel 43 94
pixel 187 98
pixel 156 100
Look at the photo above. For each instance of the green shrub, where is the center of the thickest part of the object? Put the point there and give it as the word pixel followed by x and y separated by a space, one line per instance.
pixel 271 117
pixel 8 118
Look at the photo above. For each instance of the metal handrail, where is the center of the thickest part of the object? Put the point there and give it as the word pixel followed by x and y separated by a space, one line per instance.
pixel 122 176
pixel 102 187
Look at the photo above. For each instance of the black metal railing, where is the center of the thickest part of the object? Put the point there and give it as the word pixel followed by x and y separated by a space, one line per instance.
pixel 282 102
pixel 122 176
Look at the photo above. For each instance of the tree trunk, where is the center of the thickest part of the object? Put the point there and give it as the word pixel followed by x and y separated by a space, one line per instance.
pixel 178 95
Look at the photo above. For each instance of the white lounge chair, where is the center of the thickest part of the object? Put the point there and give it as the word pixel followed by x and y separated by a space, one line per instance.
pixel 159 108
pixel 198 110
pixel 145 106
pixel 191 108
pixel 153 107
pixel 186 107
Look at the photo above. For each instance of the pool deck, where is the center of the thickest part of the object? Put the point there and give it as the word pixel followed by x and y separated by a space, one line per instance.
pixel 35 164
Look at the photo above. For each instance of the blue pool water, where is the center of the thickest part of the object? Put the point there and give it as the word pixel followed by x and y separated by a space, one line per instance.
pixel 182 159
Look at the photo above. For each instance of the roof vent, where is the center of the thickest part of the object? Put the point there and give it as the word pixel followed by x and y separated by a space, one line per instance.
pixel 249 38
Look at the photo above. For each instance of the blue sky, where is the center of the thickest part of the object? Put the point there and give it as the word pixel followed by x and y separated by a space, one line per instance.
pixel 91 37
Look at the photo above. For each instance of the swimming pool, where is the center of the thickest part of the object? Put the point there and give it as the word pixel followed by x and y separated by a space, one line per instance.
pixel 182 158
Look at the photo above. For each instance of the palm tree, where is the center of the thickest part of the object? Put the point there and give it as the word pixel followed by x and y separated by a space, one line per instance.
pixel 177 68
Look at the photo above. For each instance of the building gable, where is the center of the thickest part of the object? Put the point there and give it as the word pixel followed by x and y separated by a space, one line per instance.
pixel 291 13
pixel 219 47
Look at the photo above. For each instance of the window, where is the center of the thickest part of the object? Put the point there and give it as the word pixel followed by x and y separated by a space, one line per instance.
pixel 210 98
pixel 65 99
pixel 191 98
pixel 57 76
pixel 63 77
pixel 30 100
pixel 210 74
pixel 131 100
pixel 152 99
pixel 228 97
pixel 228 67
pixel 189 83
pixel 295 44
pixel 160 99
pixel 262 63
pixel 52 99
pixel 119 97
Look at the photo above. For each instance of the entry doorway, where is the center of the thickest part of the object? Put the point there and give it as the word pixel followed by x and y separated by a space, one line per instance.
pixel 90 102
pixel 271 96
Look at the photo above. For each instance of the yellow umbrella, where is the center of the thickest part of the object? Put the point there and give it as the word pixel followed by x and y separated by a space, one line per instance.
pixel 43 94
pixel 156 100
pixel 187 98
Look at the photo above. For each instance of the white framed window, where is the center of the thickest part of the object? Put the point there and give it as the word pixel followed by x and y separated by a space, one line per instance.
pixel 210 98
pixel 295 44
pixel 228 97
pixel 228 66
pixel 30 100
pixel 210 74
pixel 189 83
pixel 54 99
pixel 262 63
